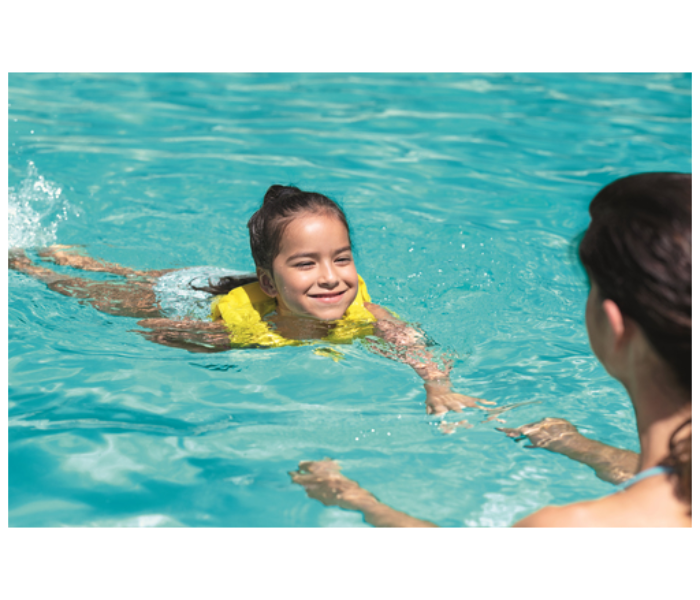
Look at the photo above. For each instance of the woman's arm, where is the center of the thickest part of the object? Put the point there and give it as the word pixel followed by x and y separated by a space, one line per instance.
pixel 322 481
pixel 558 435
pixel 407 345
pixel 195 336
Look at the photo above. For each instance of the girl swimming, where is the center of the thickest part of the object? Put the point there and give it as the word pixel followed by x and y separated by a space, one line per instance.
pixel 305 287
pixel 637 253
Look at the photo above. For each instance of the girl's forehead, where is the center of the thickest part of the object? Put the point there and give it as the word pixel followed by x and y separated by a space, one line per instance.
pixel 315 227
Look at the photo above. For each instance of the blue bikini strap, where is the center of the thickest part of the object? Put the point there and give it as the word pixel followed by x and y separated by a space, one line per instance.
pixel 658 470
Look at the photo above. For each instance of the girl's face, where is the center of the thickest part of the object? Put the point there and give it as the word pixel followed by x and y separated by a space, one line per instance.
pixel 314 273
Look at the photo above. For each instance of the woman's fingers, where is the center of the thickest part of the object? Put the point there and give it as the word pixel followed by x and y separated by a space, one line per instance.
pixel 513 432
pixel 485 401
pixel 316 467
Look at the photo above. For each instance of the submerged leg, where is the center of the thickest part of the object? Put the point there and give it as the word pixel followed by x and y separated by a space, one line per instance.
pixel 134 299
pixel 120 298
pixel 19 261
pixel 69 256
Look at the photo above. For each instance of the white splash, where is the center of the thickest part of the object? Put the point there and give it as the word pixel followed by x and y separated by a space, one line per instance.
pixel 35 211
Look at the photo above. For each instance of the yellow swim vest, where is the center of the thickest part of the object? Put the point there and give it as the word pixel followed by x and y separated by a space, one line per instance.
pixel 244 308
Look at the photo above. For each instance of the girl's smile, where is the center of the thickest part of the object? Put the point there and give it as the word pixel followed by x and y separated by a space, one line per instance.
pixel 328 298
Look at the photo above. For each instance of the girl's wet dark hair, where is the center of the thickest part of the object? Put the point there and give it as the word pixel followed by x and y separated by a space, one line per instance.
pixel 637 249
pixel 281 205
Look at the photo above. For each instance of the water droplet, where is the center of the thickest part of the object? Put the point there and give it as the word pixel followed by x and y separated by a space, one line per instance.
pixel 357 439
pixel 388 432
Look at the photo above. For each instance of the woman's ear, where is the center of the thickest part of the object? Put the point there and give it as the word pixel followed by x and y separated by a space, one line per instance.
pixel 619 325
pixel 267 284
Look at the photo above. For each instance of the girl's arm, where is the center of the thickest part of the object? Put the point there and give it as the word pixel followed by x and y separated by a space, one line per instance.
pixel 323 481
pixel 407 345
pixel 558 435
pixel 195 336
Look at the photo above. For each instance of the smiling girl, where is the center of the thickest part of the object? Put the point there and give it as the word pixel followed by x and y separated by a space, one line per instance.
pixel 305 287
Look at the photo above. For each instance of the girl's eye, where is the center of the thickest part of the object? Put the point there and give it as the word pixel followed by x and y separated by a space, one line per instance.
pixel 304 264
pixel 344 259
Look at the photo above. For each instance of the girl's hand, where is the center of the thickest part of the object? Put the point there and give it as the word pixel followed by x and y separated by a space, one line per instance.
pixel 440 398
pixel 323 482
pixel 188 324
pixel 163 323
pixel 195 336
pixel 547 433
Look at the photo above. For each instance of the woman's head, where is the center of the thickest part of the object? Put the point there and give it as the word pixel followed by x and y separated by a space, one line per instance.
pixel 301 246
pixel 638 252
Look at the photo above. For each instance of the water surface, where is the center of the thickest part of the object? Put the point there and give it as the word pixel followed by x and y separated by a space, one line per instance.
pixel 464 193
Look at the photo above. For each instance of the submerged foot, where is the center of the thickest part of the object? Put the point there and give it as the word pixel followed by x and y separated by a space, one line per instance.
pixel 18 259
pixel 67 256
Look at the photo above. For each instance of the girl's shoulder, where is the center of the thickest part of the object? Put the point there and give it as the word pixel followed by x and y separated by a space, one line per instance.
pixel 357 310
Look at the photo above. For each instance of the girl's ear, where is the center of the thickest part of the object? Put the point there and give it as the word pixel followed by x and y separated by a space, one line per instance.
pixel 267 284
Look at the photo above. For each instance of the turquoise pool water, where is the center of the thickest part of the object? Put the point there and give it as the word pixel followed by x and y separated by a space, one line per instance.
pixel 464 193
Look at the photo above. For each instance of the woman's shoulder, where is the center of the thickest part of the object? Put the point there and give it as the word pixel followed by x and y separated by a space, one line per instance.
pixel 580 514
pixel 632 508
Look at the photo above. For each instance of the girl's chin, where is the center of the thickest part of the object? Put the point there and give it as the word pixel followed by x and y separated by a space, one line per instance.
pixel 316 309
pixel 327 317
pixel 331 314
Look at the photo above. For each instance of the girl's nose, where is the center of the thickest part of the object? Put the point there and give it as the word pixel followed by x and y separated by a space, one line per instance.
pixel 328 277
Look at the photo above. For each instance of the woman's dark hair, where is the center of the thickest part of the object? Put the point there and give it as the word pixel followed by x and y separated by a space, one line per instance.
pixel 281 205
pixel 637 249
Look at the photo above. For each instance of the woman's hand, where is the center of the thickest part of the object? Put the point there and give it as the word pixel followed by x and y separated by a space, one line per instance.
pixel 440 398
pixel 558 435
pixel 323 482
pixel 548 433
